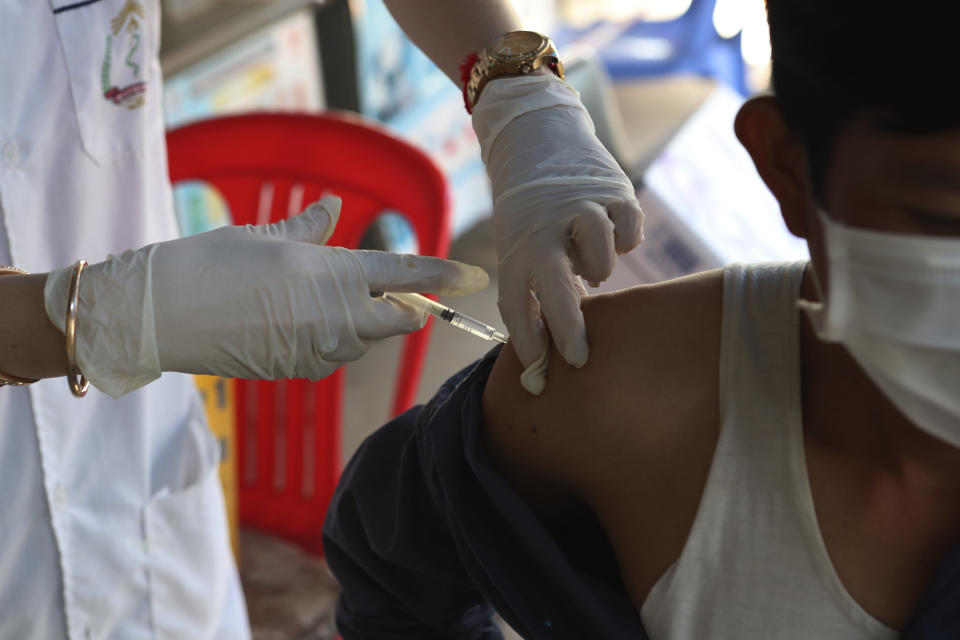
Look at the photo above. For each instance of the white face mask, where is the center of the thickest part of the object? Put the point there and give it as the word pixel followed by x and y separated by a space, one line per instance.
pixel 894 303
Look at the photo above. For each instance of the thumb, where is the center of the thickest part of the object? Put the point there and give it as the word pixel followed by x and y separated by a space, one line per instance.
pixel 315 225
pixel 386 271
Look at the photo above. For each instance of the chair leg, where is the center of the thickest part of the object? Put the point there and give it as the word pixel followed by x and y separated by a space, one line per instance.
pixel 411 365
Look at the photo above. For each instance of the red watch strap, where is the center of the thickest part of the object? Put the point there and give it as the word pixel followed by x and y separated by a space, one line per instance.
pixel 466 67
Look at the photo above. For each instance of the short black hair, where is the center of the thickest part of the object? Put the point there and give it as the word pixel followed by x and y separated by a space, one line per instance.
pixel 895 62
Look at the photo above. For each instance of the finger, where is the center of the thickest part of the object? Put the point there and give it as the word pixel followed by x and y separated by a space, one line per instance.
pixel 627 218
pixel 560 304
pixel 521 313
pixel 386 271
pixel 591 243
pixel 384 318
pixel 315 225
pixel 330 362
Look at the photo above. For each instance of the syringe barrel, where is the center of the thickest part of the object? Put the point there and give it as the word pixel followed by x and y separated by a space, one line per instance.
pixel 418 301
pixel 475 327
pixel 447 314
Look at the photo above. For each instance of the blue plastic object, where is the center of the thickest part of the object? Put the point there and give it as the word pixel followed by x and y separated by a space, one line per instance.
pixel 687 45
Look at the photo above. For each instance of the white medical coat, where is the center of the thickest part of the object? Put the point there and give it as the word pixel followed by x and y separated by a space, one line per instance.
pixel 112 520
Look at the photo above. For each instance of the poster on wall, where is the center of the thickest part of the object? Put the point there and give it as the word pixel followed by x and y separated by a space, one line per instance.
pixel 276 68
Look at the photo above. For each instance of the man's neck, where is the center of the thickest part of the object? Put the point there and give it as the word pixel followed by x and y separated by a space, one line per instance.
pixel 844 410
pixel 886 494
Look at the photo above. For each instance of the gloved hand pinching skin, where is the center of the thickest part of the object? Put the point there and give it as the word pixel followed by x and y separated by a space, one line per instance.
pixel 563 208
pixel 262 302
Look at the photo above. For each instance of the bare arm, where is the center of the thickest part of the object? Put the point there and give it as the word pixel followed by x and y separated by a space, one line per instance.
pixel 449 30
pixel 30 345
pixel 632 433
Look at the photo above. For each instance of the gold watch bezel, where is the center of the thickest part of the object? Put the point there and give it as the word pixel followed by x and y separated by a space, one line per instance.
pixel 494 50
pixel 492 62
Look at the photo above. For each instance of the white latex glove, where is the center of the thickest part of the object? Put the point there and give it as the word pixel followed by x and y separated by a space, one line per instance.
pixel 248 302
pixel 563 208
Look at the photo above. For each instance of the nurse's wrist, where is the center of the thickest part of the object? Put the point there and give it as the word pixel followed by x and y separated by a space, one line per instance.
pixel 31 347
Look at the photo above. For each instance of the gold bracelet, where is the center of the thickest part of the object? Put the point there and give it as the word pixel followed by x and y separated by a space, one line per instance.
pixel 5 380
pixel 78 384
pixel 5 268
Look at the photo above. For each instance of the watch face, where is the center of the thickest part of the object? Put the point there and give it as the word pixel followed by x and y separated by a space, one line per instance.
pixel 518 44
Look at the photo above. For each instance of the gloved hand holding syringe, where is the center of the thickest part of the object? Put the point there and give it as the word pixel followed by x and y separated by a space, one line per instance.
pixel 257 302
pixel 445 313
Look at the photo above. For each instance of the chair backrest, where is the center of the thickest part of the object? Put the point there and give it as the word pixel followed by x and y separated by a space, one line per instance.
pixel 695 47
pixel 268 167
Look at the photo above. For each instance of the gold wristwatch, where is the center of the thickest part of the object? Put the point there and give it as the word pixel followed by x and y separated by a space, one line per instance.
pixel 514 53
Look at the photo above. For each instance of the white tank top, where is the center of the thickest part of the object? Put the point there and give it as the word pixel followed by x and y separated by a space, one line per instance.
pixel 755 565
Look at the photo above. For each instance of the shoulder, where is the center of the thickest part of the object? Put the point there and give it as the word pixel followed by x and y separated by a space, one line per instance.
pixel 652 370
pixel 633 431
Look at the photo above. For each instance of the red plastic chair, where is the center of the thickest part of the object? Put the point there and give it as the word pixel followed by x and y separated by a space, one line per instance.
pixel 268 167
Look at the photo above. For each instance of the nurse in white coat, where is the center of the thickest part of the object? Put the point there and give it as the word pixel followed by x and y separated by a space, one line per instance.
pixel 113 521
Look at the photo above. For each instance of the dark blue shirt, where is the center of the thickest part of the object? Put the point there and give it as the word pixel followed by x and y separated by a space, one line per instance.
pixel 427 539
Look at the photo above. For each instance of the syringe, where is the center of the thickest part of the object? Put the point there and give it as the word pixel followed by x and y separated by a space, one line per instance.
pixel 445 313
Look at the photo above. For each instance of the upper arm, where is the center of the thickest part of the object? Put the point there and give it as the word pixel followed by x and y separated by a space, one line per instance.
pixel 633 431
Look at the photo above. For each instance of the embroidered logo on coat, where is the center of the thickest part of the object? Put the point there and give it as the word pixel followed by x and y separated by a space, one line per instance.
pixel 124 40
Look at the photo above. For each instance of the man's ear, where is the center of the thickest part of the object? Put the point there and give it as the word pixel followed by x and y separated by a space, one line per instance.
pixel 779 158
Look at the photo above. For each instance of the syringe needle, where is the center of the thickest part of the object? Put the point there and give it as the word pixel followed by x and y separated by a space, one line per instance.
pixel 447 314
